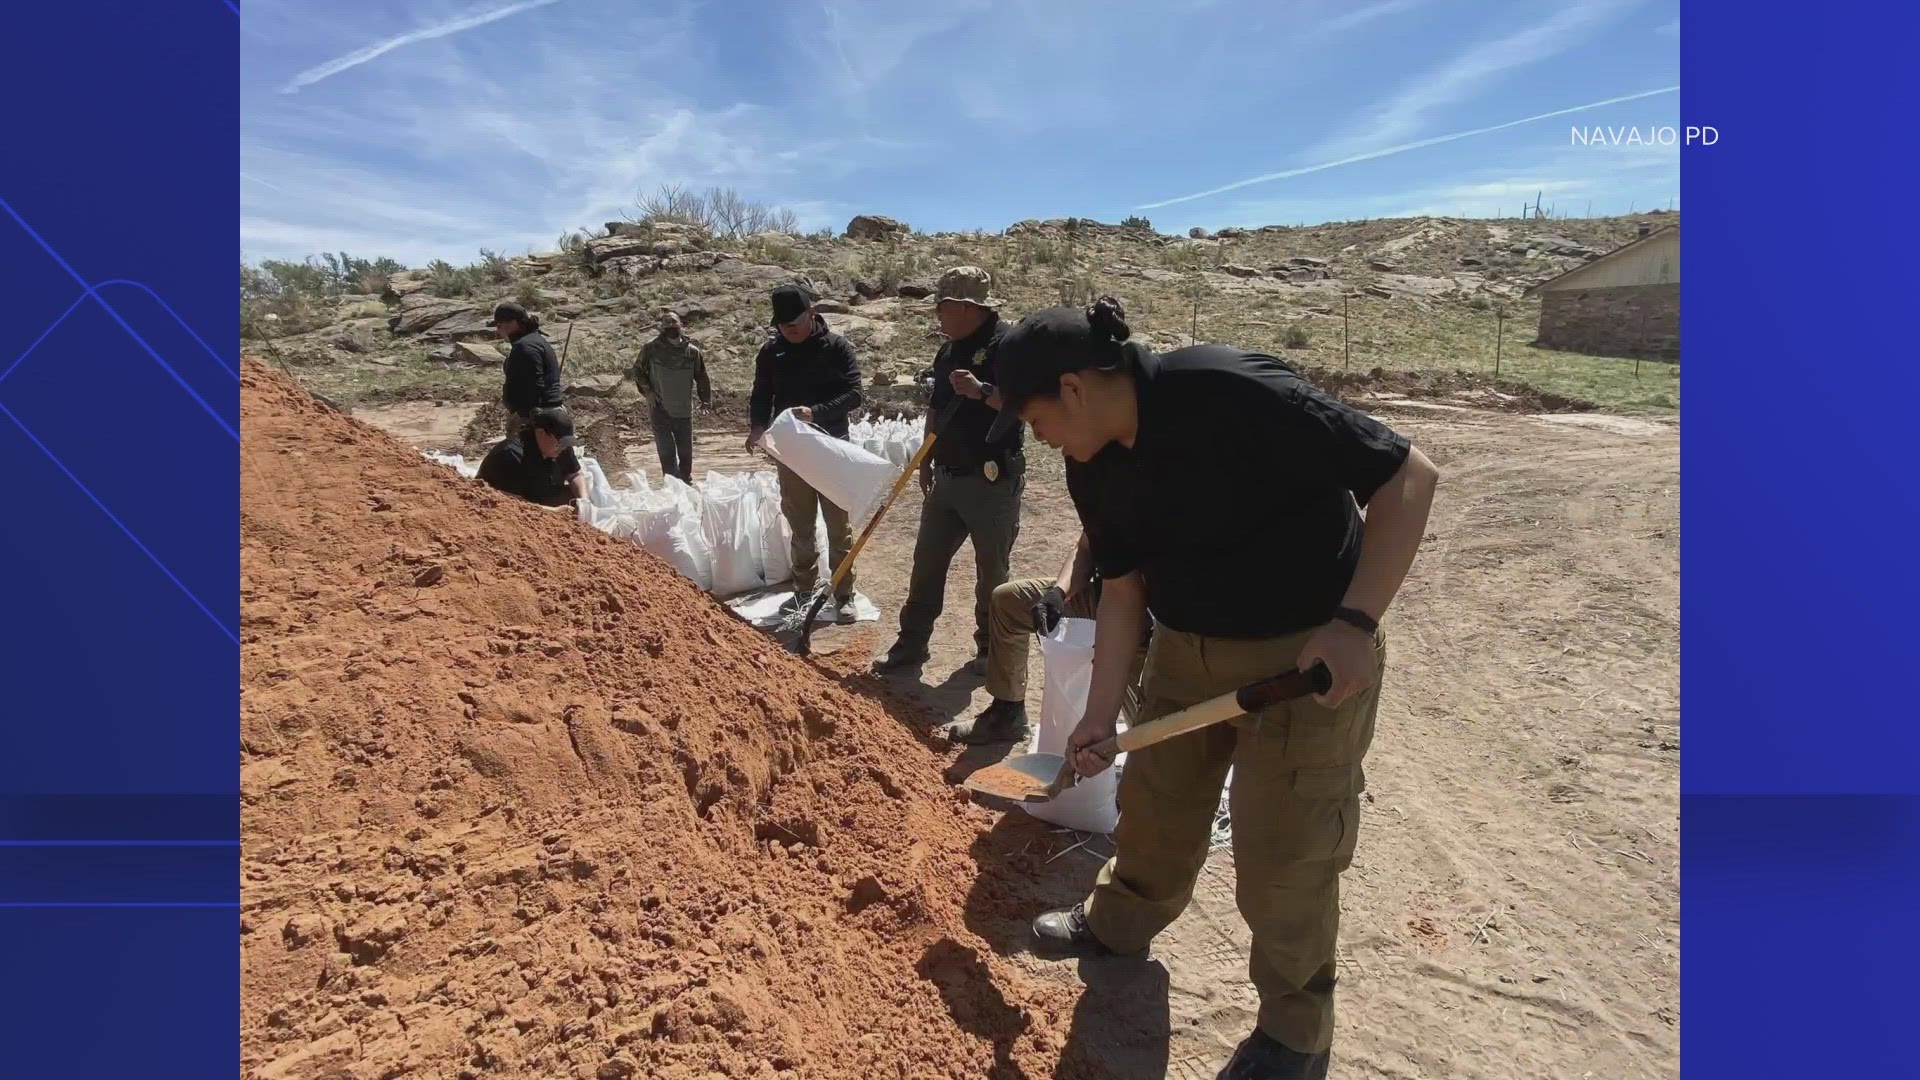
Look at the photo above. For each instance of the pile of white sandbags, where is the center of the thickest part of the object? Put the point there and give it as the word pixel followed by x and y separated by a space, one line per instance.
pixel 726 534
pixel 896 439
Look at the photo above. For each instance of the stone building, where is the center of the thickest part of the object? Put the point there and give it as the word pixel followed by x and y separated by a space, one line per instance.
pixel 1625 303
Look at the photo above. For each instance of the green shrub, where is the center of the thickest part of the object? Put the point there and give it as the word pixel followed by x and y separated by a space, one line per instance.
pixel 492 267
pixel 1296 337
pixel 448 280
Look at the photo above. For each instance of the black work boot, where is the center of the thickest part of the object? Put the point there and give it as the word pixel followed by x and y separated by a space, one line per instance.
pixel 1066 934
pixel 1263 1057
pixel 903 655
pixel 1000 722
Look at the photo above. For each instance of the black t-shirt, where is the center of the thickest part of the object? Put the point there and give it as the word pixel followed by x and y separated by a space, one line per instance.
pixel 516 467
pixel 964 443
pixel 1240 498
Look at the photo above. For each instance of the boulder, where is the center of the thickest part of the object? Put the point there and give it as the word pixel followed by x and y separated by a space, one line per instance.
pixel 605 249
pixel 875 227
pixel 478 353
pixel 602 385
pixel 1197 233
pixel 1472 260
pixel 913 290
pixel 420 310
pixel 1230 233
pixel 631 266
pixel 871 290
pixel 1382 265
pixel 1237 270
pixel 469 325
pixel 360 309
pixel 693 260
pixel 1306 260
pixel 830 307
pixel 406 283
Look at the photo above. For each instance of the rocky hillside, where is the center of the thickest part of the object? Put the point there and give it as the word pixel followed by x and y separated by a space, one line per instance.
pixel 1422 295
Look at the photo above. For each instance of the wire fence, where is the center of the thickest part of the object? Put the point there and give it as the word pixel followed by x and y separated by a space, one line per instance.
pixel 1354 332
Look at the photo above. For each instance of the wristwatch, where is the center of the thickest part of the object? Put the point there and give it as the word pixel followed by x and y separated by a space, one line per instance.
pixel 1357 618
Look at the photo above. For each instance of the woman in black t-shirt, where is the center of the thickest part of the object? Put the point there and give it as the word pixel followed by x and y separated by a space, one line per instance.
pixel 1223 495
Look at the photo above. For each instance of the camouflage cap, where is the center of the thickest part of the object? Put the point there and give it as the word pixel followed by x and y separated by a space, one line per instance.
pixel 967 284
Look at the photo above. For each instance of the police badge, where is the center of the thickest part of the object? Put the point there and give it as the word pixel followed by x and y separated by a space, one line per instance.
pixel 991 470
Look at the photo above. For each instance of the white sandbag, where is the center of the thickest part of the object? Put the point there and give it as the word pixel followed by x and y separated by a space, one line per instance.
pixel 844 474
pixel 633 484
pixel 669 532
pixel 730 522
pixel 456 462
pixel 1093 804
pixel 776 540
pixel 599 492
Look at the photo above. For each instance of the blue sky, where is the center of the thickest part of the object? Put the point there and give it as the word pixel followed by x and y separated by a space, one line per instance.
pixel 432 128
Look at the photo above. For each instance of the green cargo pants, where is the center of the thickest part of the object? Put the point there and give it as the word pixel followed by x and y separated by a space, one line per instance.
pixel 1297 779
pixel 802 506
pixel 958 509
pixel 1010 622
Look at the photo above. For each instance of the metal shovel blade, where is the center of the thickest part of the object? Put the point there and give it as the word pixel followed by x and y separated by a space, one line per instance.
pixel 1027 778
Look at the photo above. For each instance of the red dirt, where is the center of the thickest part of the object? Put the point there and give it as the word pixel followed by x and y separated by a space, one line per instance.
pixel 520 801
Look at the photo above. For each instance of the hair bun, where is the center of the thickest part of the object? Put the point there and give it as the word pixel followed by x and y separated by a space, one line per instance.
pixel 1108 319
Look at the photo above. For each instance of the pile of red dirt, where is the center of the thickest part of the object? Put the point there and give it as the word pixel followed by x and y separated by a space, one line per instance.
pixel 520 801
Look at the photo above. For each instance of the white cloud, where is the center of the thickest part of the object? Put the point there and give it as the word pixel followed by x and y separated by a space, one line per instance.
pixel 425 33
pixel 1410 110
pixel 1348 21
pixel 1401 149
pixel 509 144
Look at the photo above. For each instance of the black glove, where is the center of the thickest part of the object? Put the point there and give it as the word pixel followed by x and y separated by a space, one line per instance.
pixel 1050 610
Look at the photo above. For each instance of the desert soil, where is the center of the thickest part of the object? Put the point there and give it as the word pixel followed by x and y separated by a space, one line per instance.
pixel 1512 912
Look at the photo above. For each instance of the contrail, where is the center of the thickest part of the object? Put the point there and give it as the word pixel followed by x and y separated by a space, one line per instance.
pixel 426 33
pixel 1402 148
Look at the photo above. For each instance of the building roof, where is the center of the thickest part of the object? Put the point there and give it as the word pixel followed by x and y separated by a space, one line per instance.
pixel 1583 267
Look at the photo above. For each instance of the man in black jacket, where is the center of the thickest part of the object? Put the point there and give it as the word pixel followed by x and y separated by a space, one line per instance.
pixel 810 369
pixel 532 368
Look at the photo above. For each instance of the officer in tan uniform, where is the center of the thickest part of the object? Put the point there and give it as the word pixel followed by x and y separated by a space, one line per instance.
pixel 1028 606
pixel 973 485
pixel 1222 498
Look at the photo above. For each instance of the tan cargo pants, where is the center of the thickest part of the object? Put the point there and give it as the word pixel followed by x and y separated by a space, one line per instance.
pixel 1010 632
pixel 800 503
pixel 1297 779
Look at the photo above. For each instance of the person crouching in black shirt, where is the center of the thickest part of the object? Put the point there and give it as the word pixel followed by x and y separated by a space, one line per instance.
pixel 538 464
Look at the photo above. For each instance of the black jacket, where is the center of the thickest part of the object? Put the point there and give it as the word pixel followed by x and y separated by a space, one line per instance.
pixel 532 375
pixel 820 373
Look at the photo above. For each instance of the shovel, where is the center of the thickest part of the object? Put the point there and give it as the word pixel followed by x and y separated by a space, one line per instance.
pixel 1038 778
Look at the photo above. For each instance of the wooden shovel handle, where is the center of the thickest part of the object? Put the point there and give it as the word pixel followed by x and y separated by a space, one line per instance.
pixel 1248 699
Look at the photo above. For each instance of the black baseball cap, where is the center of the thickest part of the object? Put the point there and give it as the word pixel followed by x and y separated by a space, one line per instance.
pixel 1033 355
pixel 790 302
pixel 555 421
pixel 509 313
